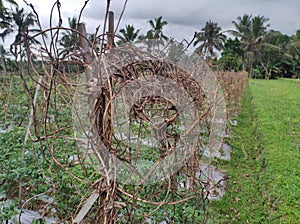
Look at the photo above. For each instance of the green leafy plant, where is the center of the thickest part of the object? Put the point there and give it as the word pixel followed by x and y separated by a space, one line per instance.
pixel 7 211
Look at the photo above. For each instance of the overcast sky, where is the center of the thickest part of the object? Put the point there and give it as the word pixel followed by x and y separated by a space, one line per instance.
pixel 184 16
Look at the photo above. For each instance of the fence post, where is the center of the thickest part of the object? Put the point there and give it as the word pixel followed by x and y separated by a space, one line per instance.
pixel 84 44
pixel 111 29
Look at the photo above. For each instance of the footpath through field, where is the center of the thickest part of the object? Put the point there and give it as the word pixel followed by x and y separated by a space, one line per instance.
pixel 264 184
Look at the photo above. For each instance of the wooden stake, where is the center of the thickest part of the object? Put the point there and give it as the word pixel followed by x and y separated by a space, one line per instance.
pixel 111 29
pixel 87 57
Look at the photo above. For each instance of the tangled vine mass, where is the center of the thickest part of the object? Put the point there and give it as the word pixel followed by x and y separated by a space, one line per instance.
pixel 120 134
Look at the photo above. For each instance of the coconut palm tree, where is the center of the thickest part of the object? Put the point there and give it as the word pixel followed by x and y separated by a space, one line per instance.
pixel 251 31
pixel 242 24
pixel 156 29
pixel 22 23
pixel 129 34
pixel 5 27
pixel 69 42
pixel 5 18
pixel 69 38
pixel 211 38
pixel 8 1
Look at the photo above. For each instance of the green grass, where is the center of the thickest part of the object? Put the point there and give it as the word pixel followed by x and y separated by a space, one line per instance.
pixel 277 105
pixel 264 184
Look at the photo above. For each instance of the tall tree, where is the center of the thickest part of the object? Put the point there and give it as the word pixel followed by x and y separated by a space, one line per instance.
pixel 293 52
pixel 251 31
pixel 232 55
pixel 69 37
pixel 211 38
pixel 242 25
pixel 23 24
pixel 156 29
pixel 129 33
pixel 69 43
pixel 5 27
pixel 271 56
pixel 12 2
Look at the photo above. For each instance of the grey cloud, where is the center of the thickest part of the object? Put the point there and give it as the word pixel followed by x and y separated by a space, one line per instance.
pixel 186 16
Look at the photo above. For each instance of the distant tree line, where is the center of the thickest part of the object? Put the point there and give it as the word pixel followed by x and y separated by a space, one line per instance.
pixel 251 46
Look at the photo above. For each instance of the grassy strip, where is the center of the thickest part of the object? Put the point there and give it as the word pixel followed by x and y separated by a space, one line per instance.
pixel 265 183
pixel 277 105
pixel 243 202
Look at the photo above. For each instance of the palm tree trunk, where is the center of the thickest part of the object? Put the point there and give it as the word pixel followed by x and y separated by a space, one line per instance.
pixel 250 66
pixel 243 62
